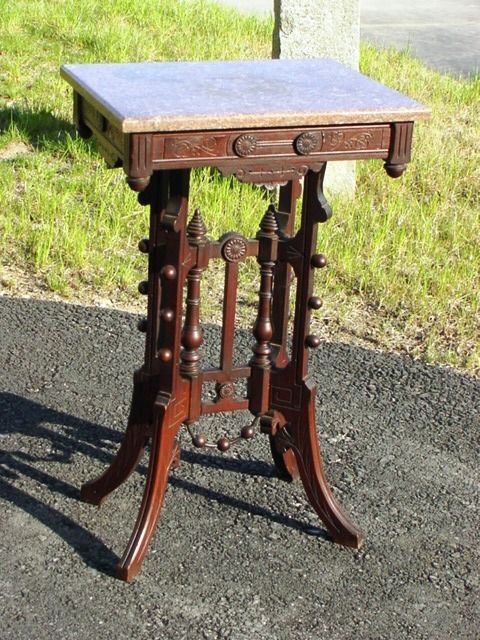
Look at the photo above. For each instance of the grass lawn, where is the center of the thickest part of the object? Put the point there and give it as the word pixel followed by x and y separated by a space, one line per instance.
pixel 403 255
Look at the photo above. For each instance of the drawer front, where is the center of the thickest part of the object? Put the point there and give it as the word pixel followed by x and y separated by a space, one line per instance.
pixel 348 141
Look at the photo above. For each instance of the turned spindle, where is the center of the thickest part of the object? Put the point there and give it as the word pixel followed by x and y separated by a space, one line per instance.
pixel 267 254
pixel 192 334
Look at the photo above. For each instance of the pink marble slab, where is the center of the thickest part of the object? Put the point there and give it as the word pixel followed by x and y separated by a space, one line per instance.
pixel 181 96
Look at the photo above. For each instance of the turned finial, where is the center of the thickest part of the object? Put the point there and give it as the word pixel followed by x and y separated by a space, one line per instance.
pixel 196 229
pixel 269 223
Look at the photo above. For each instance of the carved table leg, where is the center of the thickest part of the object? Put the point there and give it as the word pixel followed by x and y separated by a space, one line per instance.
pixel 162 457
pixel 284 458
pixel 301 435
pixel 292 390
pixel 160 395
pixel 169 256
pixel 132 446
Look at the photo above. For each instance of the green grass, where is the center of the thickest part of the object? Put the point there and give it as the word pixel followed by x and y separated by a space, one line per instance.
pixel 412 247
pixel 58 195
pixel 403 255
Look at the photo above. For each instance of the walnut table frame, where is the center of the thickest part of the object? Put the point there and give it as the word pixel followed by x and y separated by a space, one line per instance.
pixel 265 122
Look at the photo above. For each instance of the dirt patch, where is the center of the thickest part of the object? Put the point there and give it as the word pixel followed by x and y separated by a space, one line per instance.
pixel 15 149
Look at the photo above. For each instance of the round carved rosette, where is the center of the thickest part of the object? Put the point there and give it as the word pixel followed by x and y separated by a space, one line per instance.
pixel 245 145
pixel 234 249
pixel 225 390
pixel 307 143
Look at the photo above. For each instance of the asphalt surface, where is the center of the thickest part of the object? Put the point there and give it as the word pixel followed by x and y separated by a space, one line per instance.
pixel 238 553
pixel 444 34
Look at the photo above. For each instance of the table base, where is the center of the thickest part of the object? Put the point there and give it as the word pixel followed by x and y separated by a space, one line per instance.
pixel 167 389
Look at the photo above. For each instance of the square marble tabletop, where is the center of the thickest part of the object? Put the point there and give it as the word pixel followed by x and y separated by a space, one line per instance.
pixel 182 96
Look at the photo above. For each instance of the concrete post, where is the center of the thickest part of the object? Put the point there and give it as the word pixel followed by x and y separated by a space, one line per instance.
pixel 321 29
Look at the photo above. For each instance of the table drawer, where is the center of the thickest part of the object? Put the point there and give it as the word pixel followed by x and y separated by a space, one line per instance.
pixel 354 141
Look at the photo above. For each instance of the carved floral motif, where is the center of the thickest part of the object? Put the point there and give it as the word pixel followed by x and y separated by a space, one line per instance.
pixel 193 147
pixel 341 140
pixel 245 145
pixel 226 390
pixel 266 143
pixel 307 143
pixel 234 249
pixel 360 142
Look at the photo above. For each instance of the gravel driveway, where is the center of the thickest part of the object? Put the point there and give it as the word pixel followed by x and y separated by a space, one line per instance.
pixel 238 554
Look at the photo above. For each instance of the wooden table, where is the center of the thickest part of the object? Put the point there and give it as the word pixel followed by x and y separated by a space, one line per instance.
pixel 268 122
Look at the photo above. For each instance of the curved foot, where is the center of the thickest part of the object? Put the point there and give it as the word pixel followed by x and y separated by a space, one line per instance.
pixel 163 457
pixel 128 456
pixel 132 447
pixel 300 434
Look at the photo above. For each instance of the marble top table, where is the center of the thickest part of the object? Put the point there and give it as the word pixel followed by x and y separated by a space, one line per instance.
pixel 145 115
pixel 266 122
pixel 179 96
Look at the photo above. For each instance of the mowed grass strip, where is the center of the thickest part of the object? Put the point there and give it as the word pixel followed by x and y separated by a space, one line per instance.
pixel 403 254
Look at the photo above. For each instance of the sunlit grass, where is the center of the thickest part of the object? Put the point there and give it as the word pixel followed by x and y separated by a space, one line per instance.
pixel 406 250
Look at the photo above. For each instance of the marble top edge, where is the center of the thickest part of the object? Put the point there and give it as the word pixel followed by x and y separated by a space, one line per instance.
pixel 68 70
pixel 164 125
pixel 181 96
